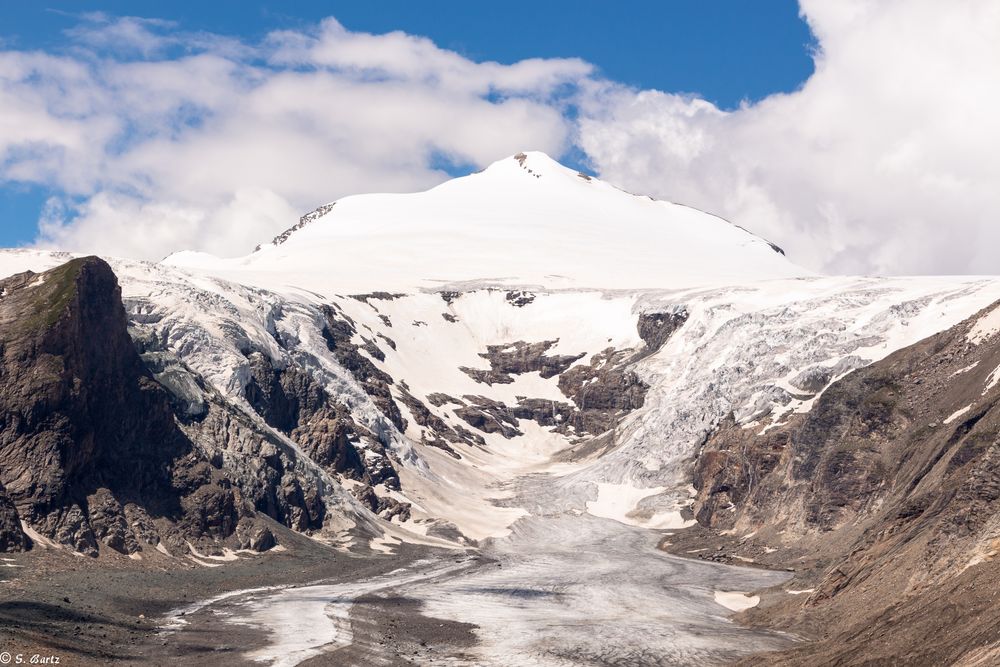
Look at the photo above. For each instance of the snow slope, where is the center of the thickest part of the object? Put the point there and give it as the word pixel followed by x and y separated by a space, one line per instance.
pixel 525 220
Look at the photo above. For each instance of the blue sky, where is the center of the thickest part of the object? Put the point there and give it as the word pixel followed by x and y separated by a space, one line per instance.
pixel 724 51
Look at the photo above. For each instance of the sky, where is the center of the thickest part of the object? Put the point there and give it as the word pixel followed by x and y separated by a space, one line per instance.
pixel 857 134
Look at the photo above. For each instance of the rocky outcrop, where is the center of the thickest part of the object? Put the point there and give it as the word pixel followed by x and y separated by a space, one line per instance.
pixel 435 431
pixel 339 333
pixel 12 537
pixel 890 488
pixel 603 390
pixel 312 216
pixel 295 404
pixel 89 444
pixel 488 416
pixel 385 506
pixel 266 469
pixel 517 358
pixel 376 296
pixel 656 328
pixel 519 298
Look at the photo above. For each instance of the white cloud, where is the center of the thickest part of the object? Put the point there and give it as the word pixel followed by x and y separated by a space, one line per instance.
pixel 221 145
pixel 886 160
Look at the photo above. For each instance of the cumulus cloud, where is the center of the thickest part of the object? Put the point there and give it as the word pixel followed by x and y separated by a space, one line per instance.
pixel 884 161
pixel 159 140
pixel 156 139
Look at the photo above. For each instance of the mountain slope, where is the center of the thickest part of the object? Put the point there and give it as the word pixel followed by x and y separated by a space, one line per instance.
pixel 525 220
pixel 91 454
pixel 486 367
pixel 890 486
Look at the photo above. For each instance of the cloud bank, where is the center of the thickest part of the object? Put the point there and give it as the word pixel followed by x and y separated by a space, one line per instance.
pixel 885 160
pixel 157 139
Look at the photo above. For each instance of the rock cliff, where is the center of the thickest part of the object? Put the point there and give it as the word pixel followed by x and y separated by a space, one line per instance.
pixel 91 455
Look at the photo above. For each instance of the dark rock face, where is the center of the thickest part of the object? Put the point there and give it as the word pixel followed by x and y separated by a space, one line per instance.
pixel 303 221
pixel 293 403
pixel 603 391
pixel 437 432
pixel 489 416
pixel 339 332
pixel 255 537
pixel 87 436
pixel 388 341
pixel 386 507
pixel 376 296
pixel 520 357
pixel 891 486
pixel 12 538
pixel 656 328
pixel 519 299
pixel 264 469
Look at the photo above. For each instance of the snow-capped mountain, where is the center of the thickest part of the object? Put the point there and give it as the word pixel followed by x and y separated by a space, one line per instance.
pixel 527 361
pixel 525 220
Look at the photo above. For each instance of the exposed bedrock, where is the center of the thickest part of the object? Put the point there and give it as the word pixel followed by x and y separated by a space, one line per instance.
pixel 86 433
pixel 891 485
pixel 293 402
pixel 656 328
pixel 599 393
pixel 517 358
pixel 12 537
pixel 435 431
pixel 265 469
pixel 339 333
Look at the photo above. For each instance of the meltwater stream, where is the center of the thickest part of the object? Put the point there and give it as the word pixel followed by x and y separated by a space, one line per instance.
pixel 559 591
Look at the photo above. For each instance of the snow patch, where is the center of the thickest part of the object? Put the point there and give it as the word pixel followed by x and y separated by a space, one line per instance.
pixel 177 618
pixel 384 544
pixel 620 502
pixel 965 370
pixel 228 555
pixel 992 380
pixel 736 600
pixel 39 539
pixel 985 327
pixel 956 414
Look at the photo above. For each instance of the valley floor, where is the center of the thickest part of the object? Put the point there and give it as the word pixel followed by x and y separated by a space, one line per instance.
pixel 114 611
pixel 559 591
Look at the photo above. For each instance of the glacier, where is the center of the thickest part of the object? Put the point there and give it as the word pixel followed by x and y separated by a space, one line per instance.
pixel 438 287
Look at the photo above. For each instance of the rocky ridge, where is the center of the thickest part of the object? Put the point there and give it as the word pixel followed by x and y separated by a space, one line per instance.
pixel 91 455
pixel 884 498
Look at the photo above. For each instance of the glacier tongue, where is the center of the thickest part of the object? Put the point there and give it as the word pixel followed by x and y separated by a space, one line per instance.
pixel 534 488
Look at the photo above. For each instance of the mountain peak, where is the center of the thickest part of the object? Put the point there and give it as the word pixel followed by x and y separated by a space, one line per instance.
pixel 524 220
pixel 534 164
